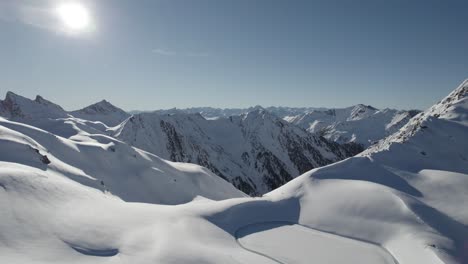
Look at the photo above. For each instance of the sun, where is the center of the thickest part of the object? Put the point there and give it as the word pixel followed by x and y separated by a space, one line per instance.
pixel 74 16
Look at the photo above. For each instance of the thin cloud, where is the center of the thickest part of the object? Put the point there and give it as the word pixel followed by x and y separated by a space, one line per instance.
pixel 197 54
pixel 164 52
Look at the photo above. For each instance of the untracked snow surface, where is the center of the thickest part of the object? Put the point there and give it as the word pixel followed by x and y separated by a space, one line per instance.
pixel 306 244
pixel 93 199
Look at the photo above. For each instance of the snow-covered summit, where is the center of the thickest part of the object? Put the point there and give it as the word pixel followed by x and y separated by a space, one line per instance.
pixel 102 111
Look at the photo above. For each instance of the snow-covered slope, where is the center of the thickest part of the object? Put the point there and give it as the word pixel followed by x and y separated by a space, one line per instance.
pixel 255 151
pixel 400 202
pixel 102 111
pixel 109 165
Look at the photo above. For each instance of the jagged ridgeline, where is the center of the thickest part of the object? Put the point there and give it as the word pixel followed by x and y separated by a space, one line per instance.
pixel 256 151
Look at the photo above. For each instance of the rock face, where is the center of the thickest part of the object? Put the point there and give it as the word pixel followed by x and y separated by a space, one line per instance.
pixel 256 151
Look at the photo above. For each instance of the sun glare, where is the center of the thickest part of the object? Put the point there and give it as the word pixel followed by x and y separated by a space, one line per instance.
pixel 74 16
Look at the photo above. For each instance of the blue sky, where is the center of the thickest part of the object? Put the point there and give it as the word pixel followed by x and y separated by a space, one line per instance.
pixel 152 54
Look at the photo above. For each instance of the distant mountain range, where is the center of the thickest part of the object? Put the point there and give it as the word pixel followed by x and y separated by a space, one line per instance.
pixel 362 124
pixel 256 149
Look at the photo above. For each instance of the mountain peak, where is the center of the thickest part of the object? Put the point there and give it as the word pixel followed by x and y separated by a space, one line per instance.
pixel 370 107
pixel 40 100
pixel 104 102
pixel 102 111
pixel 17 106
pixel 102 106
pixel 256 113
pixel 453 107
pixel 11 96
pixel 452 103
pixel 459 93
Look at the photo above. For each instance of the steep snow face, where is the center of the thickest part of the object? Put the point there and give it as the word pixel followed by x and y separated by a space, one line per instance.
pixel 111 166
pixel 360 124
pixel 255 151
pixel 406 193
pixel 102 111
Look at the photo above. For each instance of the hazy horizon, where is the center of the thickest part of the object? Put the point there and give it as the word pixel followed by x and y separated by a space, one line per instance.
pixel 182 108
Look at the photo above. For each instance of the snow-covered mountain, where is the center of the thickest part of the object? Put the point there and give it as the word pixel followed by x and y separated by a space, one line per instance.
pixel 361 124
pixel 215 113
pixel 256 151
pixel 407 193
pixel 97 118
pixel 402 201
